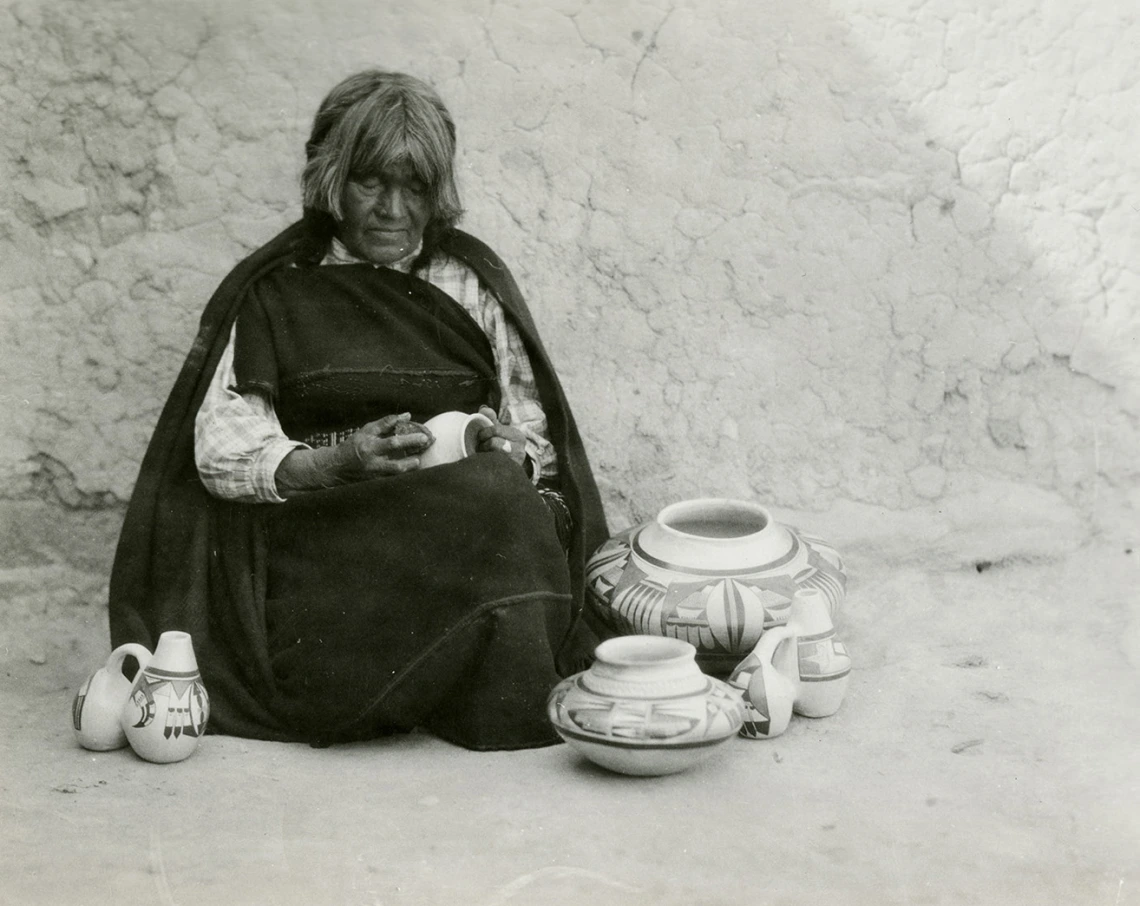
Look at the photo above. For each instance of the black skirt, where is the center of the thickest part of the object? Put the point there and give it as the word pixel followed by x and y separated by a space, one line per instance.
pixel 436 599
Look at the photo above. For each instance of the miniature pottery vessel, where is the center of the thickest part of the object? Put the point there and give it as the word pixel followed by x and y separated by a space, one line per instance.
pixel 645 707
pixel 456 435
pixel 769 679
pixel 168 707
pixel 712 572
pixel 824 665
pixel 99 701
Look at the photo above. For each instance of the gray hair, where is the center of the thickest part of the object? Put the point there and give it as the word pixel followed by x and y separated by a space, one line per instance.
pixel 371 121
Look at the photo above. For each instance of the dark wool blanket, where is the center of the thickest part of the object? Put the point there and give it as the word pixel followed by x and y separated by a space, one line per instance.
pixel 440 599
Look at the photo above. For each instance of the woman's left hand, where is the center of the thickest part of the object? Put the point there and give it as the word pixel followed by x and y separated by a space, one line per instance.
pixel 500 437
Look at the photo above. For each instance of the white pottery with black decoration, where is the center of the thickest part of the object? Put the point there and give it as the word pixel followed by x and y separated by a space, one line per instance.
pixel 645 708
pixel 713 572
pixel 824 663
pixel 97 706
pixel 166 714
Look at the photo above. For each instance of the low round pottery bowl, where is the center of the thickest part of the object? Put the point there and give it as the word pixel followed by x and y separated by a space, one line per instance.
pixel 645 707
pixel 712 572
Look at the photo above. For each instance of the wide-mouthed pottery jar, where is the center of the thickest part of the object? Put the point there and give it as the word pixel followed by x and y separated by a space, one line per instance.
pixel 712 572
pixel 644 707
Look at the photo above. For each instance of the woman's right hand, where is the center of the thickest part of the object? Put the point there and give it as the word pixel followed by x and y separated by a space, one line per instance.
pixel 387 446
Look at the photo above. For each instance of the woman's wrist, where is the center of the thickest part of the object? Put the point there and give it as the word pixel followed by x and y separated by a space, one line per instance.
pixel 309 470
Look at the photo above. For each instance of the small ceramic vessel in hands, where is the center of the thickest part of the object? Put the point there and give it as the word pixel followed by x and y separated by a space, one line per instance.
pixel 645 708
pixel 100 700
pixel 456 437
pixel 167 711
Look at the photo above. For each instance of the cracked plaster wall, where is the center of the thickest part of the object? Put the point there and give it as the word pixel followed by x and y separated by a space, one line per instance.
pixel 871 260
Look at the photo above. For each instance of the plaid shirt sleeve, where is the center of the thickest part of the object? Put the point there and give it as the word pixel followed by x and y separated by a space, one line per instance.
pixel 238 441
pixel 520 393
pixel 512 364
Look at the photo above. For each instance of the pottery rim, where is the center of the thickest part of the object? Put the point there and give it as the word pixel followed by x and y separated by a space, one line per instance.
pixel 174 651
pixel 710 508
pixel 759 544
pixel 645 666
pixel 644 651
pixel 175 642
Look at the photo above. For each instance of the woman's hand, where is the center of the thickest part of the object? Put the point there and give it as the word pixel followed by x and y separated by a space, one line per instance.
pixel 387 446
pixel 500 437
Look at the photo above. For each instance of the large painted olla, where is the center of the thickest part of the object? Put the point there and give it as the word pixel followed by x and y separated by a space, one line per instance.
pixel 712 572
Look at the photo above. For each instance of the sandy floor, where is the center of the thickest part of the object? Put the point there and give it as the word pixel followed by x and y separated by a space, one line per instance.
pixel 987 753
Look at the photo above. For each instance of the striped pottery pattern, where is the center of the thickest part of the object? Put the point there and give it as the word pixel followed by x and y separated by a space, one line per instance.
pixel 605 568
pixel 826 572
pixel 721 614
pixel 713 713
pixel 728 605
pixel 825 670
pixel 824 550
pixel 777 608
pixel 792 555
pixel 639 606
pixel 758 717
pixel 823 658
pixel 77 704
pixel 756 724
pixel 696 634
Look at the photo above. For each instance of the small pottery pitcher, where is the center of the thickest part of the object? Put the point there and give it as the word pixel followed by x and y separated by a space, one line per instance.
pixel 824 666
pixel 167 711
pixel 99 701
pixel 769 679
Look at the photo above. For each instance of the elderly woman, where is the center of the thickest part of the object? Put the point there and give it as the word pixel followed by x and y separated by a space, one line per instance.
pixel 334 588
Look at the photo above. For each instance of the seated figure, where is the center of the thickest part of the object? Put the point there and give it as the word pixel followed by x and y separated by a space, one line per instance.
pixel 334 589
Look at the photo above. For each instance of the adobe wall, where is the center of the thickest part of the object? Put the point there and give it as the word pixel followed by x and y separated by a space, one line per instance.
pixel 871 263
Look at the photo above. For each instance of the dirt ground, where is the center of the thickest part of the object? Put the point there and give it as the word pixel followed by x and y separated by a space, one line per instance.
pixel 987 753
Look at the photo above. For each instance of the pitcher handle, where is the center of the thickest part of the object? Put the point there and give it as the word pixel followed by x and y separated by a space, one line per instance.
pixel 779 647
pixel 768 704
pixel 139 652
pixel 766 652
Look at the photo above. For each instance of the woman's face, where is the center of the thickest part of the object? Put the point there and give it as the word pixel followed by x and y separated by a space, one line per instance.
pixel 385 214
